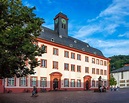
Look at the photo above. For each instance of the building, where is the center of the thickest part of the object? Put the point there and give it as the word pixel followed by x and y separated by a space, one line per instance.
pixel 122 76
pixel 68 63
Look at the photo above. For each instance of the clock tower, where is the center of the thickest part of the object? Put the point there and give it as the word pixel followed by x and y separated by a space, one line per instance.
pixel 61 24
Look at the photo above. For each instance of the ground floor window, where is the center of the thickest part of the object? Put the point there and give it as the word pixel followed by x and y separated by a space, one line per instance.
pixel 23 81
pixel 11 81
pixel 66 82
pixel 33 81
pixel 72 83
pixel 93 83
pixel 43 82
pixel 96 83
pixel 78 83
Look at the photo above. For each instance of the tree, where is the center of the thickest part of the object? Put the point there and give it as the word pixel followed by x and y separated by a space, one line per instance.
pixel 19 28
pixel 112 80
pixel 118 61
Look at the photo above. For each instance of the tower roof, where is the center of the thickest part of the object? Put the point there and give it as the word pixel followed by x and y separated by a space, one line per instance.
pixel 60 14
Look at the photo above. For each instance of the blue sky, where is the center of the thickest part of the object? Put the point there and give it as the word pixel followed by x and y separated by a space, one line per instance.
pixel 104 24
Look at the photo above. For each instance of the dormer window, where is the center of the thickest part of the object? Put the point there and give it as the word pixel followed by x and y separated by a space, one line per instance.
pixel 88 46
pixel 60 36
pixel 75 41
pixel 52 39
pixel 42 30
pixel 83 49
pixel 71 45
pixel 95 53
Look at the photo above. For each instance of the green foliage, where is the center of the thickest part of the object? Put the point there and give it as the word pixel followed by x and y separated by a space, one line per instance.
pixel 112 80
pixel 118 61
pixel 19 28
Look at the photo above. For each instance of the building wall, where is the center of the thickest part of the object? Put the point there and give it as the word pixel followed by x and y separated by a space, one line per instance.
pixel 65 74
pixel 122 82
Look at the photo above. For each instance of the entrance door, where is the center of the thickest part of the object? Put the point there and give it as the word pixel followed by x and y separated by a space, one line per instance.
pixel 87 82
pixel 55 84
pixel 55 81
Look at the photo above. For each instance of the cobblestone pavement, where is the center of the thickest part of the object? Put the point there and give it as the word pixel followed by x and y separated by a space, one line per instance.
pixel 121 96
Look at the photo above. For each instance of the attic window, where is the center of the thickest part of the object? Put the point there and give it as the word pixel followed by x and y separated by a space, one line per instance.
pixel 42 30
pixel 94 52
pixel 75 41
pixel 88 46
pixel 83 49
pixel 71 45
pixel 52 39
pixel 60 36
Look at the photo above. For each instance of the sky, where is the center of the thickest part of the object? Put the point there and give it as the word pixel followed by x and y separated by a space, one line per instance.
pixel 103 24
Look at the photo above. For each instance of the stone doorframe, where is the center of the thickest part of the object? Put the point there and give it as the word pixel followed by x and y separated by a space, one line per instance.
pixel 54 75
pixel 87 78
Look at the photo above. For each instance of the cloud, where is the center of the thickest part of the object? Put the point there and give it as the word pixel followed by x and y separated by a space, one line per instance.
pixel 126 34
pixel 87 30
pixel 108 20
pixel 110 47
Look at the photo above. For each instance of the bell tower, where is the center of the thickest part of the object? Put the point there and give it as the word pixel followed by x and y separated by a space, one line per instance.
pixel 61 24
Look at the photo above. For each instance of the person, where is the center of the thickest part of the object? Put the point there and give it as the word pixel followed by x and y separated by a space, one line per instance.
pixel 101 89
pixel 34 91
pixel 104 89
pixel 117 88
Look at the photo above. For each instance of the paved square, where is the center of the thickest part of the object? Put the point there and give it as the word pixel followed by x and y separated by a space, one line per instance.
pixel 121 96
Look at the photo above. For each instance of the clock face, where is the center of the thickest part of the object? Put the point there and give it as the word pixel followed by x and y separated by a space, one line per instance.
pixel 56 21
pixel 63 21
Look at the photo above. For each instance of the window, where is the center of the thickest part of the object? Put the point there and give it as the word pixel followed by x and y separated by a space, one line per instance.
pixel 96 83
pixel 73 55
pixel 121 75
pixel 93 70
pixel 105 72
pixel 66 82
pixel 66 66
pixel 78 83
pixel 23 81
pixel 44 63
pixel 11 81
pixel 86 59
pixel 97 71
pixel 105 63
pixel 101 72
pixel 97 61
pixel 33 81
pixel 93 60
pixel 78 68
pixel 72 83
pixel 55 51
pixel 93 83
pixel 86 69
pixel 66 54
pixel 55 65
pixel 78 57
pixel 43 82
pixel 72 67
pixel 44 48
pixel 63 26
pixel 101 62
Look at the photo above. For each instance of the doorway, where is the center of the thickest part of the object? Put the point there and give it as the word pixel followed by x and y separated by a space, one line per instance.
pixel 87 82
pixel 55 81
pixel 55 84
